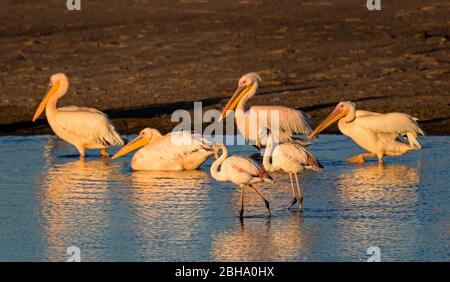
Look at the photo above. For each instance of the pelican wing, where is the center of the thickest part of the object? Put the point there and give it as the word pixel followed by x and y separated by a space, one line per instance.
pixel 391 123
pixel 89 124
pixel 360 113
pixel 177 145
pixel 290 121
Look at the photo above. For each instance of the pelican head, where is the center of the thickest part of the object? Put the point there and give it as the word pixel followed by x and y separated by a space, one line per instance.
pixel 146 136
pixel 246 83
pixel 59 84
pixel 341 110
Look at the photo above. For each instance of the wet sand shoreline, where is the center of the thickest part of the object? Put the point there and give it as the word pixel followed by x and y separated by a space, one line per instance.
pixel 140 61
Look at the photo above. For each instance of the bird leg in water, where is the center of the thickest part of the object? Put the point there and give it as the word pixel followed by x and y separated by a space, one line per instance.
pixel 300 194
pixel 359 159
pixel 265 201
pixel 380 159
pixel 294 199
pixel 241 210
pixel 104 153
pixel 81 151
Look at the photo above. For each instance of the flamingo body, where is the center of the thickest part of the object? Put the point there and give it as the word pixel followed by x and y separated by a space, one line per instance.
pixel 240 170
pixel 290 157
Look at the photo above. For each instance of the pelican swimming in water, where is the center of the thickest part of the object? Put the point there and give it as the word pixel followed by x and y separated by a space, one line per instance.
pixel 290 157
pixel 240 170
pixel 180 150
pixel 380 134
pixel 290 121
pixel 85 128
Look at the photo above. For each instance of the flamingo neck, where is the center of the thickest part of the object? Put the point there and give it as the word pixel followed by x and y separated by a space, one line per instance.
pixel 267 153
pixel 215 173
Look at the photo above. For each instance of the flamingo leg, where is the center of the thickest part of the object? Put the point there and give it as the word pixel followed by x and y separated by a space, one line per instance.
pixel 359 159
pixel 300 194
pixel 294 197
pixel 241 210
pixel 265 201
pixel 104 153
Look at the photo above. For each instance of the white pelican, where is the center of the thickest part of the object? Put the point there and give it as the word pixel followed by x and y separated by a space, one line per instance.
pixel 290 122
pixel 290 157
pixel 85 128
pixel 377 133
pixel 180 150
pixel 240 170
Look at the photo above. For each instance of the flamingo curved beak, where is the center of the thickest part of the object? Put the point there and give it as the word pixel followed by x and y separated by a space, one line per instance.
pixel 234 100
pixel 134 144
pixel 334 116
pixel 52 90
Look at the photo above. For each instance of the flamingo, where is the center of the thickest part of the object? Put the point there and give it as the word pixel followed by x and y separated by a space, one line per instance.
pixel 379 134
pixel 85 128
pixel 290 121
pixel 240 170
pixel 179 150
pixel 290 157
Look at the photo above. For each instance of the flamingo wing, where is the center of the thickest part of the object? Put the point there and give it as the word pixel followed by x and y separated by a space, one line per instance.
pixel 295 152
pixel 247 165
pixel 89 124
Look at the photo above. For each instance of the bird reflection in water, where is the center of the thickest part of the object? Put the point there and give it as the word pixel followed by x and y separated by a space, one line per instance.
pixel 73 200
pixel 387 184
pixel 371 200
pixel 276 240
pixel 168 210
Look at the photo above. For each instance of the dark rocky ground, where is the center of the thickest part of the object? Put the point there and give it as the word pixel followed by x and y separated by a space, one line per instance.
pixel 140 60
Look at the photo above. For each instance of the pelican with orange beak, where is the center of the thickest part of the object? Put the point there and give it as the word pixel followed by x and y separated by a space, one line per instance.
pixel 379 134
pixel 288 121
pixel 85 128
pixel 180 150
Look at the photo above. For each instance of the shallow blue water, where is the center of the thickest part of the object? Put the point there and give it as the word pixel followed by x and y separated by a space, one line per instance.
pixel 50 200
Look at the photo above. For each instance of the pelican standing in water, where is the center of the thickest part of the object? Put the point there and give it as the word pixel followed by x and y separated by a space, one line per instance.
pixel 377 133
pixel 180 150
pixel 240 170
pixel 290 121
pixel 290 157
pixel 85 128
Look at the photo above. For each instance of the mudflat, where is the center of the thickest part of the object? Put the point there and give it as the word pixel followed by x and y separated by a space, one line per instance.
pixel 138 61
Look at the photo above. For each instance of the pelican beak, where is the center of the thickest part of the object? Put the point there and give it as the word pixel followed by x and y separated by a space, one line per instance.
pixel 235 99
pixel 50 93
pixel 134 144
pixel 335 115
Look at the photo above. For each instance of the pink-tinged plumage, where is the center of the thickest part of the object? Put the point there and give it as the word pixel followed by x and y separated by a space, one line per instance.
pixel 290 157
pixel 240 170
